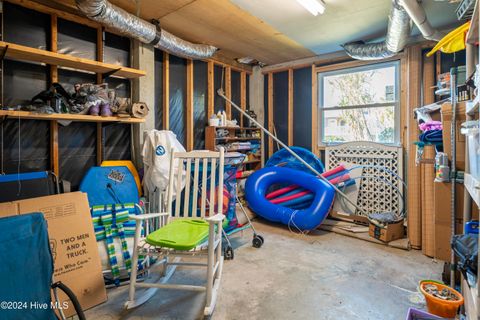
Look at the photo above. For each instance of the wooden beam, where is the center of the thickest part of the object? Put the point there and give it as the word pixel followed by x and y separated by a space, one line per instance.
pixel 24 53
pixel 166 91
pixel 100 50
pixel 52 11
pixel 428 80
pixel 307 62
pixel 99 143
pixel 243 94
pixel 210 88
pixel 228 91
pixel 54 153
pixel 354 63
pixel 438 64
pixel 290 107
pixel 403 102
pixel 224 61
pixel 66 116
pixel 189 105
pixel 53 46
pixel 315 149
pixel 414 217
pixel 270 113
pixel 54 163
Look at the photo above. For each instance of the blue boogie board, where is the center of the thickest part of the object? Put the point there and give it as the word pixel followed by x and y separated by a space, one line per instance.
pixel 112 194
pixel 108 185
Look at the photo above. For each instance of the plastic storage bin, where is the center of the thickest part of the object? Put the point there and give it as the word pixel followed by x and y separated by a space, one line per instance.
pixel 442 308
pixel 471 130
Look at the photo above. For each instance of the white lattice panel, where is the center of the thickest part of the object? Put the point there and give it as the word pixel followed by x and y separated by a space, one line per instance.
pixel 374 194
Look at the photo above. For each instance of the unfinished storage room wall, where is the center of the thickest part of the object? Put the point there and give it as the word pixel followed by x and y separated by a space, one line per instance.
pixel 66 148
pixel 200 102
pixel 294 88
pixel 289 107
pixel 186 95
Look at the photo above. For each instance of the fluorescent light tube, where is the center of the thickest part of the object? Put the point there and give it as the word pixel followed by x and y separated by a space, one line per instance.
pixel 313 6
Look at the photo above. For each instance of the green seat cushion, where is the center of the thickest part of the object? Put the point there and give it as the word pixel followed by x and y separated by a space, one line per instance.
pixel 180 234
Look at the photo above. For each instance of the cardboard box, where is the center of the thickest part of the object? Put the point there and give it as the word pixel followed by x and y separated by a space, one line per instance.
pixel 428 202
pixel 73 244
pixel 446 113
pixel 442 226
pixel 392 231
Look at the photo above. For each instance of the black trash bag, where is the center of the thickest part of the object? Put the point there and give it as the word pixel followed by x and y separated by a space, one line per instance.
pixel 54 99
pixel 465 247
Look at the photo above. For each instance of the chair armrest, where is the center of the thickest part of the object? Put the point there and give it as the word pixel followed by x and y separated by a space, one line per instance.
pixel 216 218
pixel 146 216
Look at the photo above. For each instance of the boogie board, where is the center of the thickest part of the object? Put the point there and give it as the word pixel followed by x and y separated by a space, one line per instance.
pixel 109 185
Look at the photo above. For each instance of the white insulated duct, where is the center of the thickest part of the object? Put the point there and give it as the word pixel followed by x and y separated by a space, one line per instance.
pixel 128 24
pixel 399 28
pixel 419 17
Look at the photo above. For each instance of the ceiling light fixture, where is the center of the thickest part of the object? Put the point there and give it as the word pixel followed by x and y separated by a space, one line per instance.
pixel 313 6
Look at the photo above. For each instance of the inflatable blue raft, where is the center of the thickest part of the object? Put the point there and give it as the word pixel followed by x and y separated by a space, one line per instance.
pixel 309 218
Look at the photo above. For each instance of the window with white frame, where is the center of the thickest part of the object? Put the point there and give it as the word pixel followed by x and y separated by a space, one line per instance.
pixel 360 104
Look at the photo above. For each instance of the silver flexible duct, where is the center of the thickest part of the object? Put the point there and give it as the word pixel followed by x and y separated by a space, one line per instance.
pixel 399 28
pixel 419 17
pixel 128 24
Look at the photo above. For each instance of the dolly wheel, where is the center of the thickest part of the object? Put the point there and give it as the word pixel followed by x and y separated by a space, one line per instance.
pixel 261 238
pixel 228 253
pixel 257 242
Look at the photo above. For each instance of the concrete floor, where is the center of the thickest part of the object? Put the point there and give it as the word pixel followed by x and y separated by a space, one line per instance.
pixel 318 276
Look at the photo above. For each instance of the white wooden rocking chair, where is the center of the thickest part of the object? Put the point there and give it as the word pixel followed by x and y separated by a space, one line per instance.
pixel 184 230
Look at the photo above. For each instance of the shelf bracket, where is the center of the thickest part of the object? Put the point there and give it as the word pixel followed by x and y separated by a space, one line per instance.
pixel 3 53
pixel 110 73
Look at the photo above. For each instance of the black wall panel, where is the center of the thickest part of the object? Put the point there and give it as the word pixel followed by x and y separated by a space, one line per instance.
pixel 26 27
pixel 302 108
pixel 449 60
pixel 158 109
pixel 199 103
pixel 22 81
pixel 116 142
pixel 116 50
pixel 77 150
pixel 27 149
pixel 265 114
pixel 68 78
pixel 121 86
pixel 178 91
pixel 77 40
pixel 280 106
pixel 236 97
pixel 218 75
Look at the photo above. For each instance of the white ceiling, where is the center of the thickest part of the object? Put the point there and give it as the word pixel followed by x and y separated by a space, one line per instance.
pixel 343 21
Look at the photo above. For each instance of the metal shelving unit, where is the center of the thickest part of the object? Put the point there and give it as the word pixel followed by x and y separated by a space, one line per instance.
pixel 472 185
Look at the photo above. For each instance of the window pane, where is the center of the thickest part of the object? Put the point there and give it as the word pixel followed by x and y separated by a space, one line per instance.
pixel 375 85
pixel 363 124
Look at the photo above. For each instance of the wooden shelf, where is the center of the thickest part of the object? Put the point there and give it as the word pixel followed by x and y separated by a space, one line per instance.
pixel 473 187
pixel 238 139
pixel 251 161
pixel 472 106
pixel 66 116
pixel 23 53
pixel 470 297
pixel 236 128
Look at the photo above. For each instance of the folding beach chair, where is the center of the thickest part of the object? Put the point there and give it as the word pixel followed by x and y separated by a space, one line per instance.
pixel 26 271
pixel 191 227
